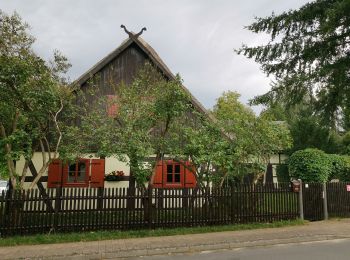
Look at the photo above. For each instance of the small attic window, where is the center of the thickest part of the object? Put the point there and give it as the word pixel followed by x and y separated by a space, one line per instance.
pixel 112 106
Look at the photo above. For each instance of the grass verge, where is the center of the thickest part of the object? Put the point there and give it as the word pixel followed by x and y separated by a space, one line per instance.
pixel 106 235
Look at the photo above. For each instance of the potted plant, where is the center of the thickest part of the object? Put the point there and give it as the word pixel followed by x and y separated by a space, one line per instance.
pixel 114 176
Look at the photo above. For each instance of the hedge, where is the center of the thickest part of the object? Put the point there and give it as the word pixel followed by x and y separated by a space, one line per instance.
pixel 313 165
pixel 310 165
pixel 340 167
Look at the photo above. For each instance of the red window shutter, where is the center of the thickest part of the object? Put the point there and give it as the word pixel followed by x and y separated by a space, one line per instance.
pixel 190 178
pixel 164 172
pixel 97 179
pixel 54 174
pixel 112 107
pixel 65 174
pixel 158 178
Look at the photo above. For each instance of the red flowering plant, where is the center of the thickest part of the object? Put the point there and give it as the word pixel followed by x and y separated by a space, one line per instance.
pixel 114 176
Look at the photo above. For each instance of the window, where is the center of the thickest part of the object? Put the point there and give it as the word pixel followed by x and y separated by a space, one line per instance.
pixel 173 174
pixel 77 172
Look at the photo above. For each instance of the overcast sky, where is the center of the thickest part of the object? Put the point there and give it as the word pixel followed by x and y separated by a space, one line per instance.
pixel 194 38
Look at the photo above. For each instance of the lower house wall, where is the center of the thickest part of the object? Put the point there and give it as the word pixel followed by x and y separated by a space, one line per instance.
pixel 275 160
pixel 111 164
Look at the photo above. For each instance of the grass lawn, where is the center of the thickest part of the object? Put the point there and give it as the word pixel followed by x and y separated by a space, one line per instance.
pixel 112 234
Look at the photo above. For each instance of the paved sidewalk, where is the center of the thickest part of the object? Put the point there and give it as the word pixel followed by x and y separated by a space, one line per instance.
pixel 124 248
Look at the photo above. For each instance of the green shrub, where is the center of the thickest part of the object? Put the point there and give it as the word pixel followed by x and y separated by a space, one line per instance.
pixel 3 169
pixel 337 165
pixel 313 165
pixel 310 165
pixel 340 167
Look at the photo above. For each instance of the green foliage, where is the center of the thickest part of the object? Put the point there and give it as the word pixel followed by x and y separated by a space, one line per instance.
pixel 282 173
pixel 235 144
pixel 255 138
pixel 4 175
pixel 307 128
pixel 209 149
pixel 310 165
pixel 308 54
pixel 149 110
pixel 308 132
pixel 314 165
pixel 32 95
pixel 346 142
pixel 340 167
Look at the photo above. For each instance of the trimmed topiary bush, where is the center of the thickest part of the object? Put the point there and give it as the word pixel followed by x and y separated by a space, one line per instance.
pixel 313 165
pixel 310 165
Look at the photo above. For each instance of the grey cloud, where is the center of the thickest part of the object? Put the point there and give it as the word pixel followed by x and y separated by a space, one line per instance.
pixel 194 38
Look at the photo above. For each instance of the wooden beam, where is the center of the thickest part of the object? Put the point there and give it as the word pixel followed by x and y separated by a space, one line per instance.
pixel 40 186
pixel 31 178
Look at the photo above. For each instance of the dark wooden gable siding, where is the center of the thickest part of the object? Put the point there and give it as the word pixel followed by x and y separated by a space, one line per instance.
pixel 122 68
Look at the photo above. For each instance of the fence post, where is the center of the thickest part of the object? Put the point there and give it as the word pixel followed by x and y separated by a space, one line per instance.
pixel 325 204
pixel 301 206
pixel 100 198
pixel 57 207
pixel 149 206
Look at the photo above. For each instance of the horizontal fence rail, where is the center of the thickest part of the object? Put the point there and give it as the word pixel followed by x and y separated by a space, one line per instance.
pixel 80 209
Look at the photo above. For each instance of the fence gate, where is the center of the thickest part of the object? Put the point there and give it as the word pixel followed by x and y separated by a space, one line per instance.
pixel 313 201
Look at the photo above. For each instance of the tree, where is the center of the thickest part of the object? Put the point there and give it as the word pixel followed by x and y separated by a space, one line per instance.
pixel 32 97
pixel 307 129
pixel 208 147
pixel 255 138
pixel 309 55
pixel 147 112
pixel 155 117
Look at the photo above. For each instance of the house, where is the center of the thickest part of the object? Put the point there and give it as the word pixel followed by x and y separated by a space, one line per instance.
pixel 121 65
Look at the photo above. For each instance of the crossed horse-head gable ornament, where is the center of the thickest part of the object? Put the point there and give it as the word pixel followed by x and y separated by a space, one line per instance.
pixel 133 35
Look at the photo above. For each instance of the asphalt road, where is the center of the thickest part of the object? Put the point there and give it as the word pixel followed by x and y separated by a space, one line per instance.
pixel 338 249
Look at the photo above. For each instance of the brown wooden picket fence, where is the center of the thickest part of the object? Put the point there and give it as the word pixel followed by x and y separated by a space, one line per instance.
pixel 338 199
pixel 83 209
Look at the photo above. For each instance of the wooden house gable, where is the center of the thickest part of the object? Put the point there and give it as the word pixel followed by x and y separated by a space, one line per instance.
pixel 121 68
pixel 122 65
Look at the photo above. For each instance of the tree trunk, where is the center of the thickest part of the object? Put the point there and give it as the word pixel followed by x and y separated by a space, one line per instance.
pixel 151 179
